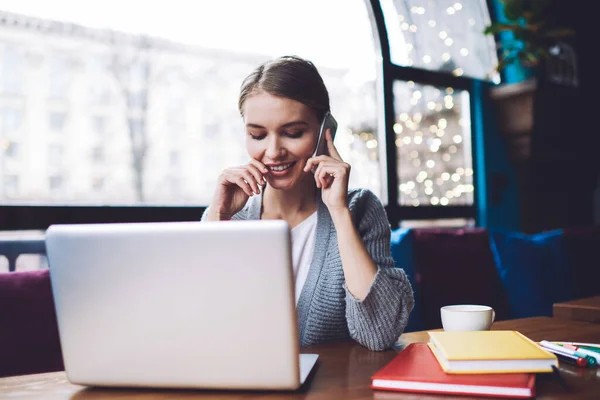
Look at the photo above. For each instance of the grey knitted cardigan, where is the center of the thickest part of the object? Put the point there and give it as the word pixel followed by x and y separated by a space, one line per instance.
pixel 326 310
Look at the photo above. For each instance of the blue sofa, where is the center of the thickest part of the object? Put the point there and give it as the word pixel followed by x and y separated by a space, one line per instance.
pixel 519 275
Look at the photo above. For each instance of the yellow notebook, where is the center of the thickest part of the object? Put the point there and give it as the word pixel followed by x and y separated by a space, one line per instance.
pixel 480 352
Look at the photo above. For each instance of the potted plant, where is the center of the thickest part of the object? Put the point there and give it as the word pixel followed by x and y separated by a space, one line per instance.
pixel 529 37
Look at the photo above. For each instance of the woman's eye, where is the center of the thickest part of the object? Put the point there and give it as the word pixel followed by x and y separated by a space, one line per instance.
pixel 257 136
pixel 295 135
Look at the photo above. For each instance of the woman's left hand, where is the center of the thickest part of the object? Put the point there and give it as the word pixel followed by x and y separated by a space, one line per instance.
pixel 332 175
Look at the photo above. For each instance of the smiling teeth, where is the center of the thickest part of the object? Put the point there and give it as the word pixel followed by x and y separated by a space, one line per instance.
pixel 281 167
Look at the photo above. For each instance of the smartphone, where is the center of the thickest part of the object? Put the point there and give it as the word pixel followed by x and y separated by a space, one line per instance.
pixel 328 123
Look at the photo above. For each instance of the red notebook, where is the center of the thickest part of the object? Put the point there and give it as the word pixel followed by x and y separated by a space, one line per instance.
pixel 415 369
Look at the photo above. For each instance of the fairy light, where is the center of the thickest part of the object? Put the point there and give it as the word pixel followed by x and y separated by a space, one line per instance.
pixel 430 147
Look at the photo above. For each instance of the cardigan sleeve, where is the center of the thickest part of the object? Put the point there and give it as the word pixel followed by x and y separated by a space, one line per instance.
pixel 378 320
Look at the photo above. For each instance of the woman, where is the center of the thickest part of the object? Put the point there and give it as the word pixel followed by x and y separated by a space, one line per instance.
pixel 346 283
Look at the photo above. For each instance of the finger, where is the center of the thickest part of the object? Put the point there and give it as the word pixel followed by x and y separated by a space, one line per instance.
pixel 251 181
pixel 261 167
pixel 330 147
pixel 242 184
pixel 316 174
pixel 321 175
pixel 314 161
pixel 258 176
pixel 309 164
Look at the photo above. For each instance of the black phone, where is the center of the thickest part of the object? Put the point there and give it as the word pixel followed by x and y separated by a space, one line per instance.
pixel 328 123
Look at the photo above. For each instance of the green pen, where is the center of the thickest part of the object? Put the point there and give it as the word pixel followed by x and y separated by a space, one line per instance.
pixel 592 361
pixel 571 349
pixel 590 348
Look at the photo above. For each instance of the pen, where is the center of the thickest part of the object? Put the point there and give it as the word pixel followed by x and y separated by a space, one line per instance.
pixel 593 346
pixel 591 361
pixel 566 357
pixel 586 352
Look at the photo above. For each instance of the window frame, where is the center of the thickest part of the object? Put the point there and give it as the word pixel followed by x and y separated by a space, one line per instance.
pixel 40 217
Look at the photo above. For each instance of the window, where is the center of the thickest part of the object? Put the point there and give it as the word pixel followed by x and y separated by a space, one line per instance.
pixel 436 51
pixel 99 76
pixel 58 77
pixel 12 70
pixel 98 125
pixel 10 120
pixel 166 97
pixel 11 149
pixel 57 121
pixel 55 183
pixel 98 154
pixel 162 86
pixel 445 35
pixel 55 155
pixel 10 185
pixel 174 159
pixel 433 142
pixel 98 184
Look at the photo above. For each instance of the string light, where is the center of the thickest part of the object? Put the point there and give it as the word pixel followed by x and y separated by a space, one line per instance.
pixel 434 162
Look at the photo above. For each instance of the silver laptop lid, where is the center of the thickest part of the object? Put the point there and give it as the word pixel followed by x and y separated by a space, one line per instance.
pixel 182 304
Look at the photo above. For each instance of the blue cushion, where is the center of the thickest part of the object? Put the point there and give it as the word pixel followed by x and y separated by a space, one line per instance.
pixel 402 253
pixel 533 269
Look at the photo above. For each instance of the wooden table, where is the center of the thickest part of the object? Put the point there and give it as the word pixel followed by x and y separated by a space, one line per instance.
pixel 343 372
pixel 587 309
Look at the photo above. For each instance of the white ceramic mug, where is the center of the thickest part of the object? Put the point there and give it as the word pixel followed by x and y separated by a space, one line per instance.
pixel 467 317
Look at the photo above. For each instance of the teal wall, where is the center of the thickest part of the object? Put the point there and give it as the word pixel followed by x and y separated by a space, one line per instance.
pixel 495 182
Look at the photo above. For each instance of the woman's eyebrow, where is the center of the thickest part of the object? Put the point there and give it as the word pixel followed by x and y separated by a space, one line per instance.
pixel 286 125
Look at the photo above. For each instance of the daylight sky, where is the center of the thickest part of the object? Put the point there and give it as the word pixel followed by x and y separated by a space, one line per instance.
pixel 315 29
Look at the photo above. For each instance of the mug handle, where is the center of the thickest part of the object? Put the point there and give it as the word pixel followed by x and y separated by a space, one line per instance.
pixel 493 315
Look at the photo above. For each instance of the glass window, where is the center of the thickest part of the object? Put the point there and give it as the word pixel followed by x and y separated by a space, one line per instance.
pixel 433 144
pixel 174 159
pixel 138 74
pixel 11 149
pixel 98 154
pixel 99 124
pixel 98 183
pixel 55 182
pixel 11 72
pixel 58 77
pixel 57 121
pixel 55 155
pixel 441 35
pixel 11 185
pixel 10 120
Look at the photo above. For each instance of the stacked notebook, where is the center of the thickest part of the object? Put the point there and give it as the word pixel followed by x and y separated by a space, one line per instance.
pixel 483 363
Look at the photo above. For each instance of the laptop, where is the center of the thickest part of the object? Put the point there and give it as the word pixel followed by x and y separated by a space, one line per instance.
pixel 177 305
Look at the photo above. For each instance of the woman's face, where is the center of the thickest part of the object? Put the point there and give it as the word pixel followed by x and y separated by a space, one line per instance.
pixel 282 134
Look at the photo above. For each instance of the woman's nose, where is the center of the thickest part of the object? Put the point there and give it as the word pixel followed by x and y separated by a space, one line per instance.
pixel 274 149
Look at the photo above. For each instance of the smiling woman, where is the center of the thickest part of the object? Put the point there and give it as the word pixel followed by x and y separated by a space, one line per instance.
pixel 346 282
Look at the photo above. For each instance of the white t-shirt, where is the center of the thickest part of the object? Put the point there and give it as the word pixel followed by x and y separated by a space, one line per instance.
pixel 303 246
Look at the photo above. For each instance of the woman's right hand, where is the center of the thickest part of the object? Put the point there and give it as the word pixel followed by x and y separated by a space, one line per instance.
pixel 234 186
